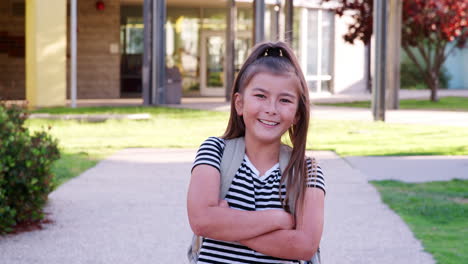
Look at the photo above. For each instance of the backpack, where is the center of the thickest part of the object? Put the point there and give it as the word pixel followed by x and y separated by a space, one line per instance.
pixel 233 155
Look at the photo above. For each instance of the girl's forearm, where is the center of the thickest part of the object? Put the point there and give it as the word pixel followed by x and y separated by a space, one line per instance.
pixel 287 244
pixel 233 225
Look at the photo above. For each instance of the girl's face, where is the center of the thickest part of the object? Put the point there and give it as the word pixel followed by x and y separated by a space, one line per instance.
pixel 268 105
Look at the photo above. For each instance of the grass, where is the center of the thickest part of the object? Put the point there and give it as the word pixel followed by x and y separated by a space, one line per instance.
pixel 182 128
pixel 445 103
pixel 84 144
pixel 437 213
pixel 72 164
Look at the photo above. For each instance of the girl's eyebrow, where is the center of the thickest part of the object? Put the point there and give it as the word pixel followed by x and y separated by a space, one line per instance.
pixel 288 95
pixel 258 89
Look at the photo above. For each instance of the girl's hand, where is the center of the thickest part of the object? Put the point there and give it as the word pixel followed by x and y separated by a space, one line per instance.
pixel 285 220
pixel 223 203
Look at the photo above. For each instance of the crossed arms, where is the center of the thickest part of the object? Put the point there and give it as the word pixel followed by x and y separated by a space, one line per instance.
pixel 271 232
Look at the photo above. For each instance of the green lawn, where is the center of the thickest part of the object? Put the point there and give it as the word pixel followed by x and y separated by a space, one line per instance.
pixel 85 143
pixel 437 213
pixel 445 103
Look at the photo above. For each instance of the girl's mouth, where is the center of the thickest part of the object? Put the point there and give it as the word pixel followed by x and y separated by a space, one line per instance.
pixel 270 123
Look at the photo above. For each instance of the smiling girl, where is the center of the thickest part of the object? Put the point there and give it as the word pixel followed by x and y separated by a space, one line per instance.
pixel 254 223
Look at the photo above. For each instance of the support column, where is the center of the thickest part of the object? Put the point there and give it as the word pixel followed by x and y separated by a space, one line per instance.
pixel 147 43
pixel 73 51
pixel 275 23
pixel 288 21
pixel 159 53
pixel 393 53
pixel 368 67
pixel 46 42
pixel 230 48
pixel 259 21
pixel 378 85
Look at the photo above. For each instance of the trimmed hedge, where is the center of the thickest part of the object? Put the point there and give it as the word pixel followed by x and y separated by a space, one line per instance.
pixel 25 169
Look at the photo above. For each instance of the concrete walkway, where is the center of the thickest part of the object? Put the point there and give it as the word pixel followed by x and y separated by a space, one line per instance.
pixel 411 168
pixel 130 208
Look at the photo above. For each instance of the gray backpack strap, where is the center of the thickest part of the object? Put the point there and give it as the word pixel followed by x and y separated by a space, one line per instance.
pixel 233 155
pixel 285 155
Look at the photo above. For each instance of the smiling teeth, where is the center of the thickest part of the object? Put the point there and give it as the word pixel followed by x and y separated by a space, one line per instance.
pixel 268 123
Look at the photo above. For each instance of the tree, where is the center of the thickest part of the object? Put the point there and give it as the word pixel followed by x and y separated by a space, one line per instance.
pixel 361 12
pixel 428 27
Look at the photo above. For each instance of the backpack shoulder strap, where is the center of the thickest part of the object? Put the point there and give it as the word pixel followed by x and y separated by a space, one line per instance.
pixel 233 155
pixel 285 155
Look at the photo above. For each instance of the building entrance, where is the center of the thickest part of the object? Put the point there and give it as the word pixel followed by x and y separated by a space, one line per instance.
pixel 212 61
pixel 131 42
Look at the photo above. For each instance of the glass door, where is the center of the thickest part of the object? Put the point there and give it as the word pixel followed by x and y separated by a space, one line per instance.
pixel 212 64
pixel 212 60
pixel 131 62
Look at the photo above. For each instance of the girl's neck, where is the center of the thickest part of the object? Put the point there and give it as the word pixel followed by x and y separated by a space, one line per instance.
pixel 262 155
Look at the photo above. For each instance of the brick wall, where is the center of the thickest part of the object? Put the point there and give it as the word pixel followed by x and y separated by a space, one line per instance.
pixel 12 51
pixel 98 68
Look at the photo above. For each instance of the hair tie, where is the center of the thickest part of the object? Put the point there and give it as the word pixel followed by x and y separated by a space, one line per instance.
pixel 273 52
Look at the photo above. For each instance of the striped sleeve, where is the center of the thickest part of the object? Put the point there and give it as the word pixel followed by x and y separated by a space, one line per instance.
pixel 315 175
pixel 210 153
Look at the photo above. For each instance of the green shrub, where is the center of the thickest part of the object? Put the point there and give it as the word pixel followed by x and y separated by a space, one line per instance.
pixel 25 169
pixel 411 78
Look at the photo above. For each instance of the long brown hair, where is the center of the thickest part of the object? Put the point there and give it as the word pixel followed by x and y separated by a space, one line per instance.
pixel 277 58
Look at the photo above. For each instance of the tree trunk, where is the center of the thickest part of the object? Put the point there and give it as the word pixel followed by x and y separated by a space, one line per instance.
pixel 434 86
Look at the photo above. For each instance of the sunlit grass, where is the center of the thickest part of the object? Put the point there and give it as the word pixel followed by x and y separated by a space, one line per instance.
pixel 437 213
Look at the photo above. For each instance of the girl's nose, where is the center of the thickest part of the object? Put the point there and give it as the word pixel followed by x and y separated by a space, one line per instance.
pixel 270 107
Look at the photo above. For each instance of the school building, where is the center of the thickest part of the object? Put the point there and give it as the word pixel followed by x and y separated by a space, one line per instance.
pixel 36 54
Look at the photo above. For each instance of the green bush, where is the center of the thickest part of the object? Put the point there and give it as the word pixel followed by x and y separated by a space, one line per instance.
pixel 25 169
pixel 411 78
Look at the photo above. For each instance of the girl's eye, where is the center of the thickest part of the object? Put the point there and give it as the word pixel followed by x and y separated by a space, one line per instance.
pixel 284 100
pixel 260 96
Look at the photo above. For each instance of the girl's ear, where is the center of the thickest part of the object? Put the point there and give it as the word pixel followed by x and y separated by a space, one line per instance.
pixel 238 103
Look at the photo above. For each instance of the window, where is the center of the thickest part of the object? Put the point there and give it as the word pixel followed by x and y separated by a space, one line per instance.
pixel 317 48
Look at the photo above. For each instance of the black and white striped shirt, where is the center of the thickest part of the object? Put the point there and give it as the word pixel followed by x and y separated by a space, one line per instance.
pixel 250 192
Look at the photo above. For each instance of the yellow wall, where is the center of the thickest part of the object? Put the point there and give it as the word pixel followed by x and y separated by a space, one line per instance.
pixel 46 42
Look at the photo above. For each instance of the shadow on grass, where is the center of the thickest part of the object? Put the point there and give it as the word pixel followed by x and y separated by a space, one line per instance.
pixel 71 165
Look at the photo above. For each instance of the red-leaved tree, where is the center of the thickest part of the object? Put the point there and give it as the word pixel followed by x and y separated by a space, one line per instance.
pixel 428 27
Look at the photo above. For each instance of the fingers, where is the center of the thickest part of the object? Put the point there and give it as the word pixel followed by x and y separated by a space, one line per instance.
pixel 223 203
